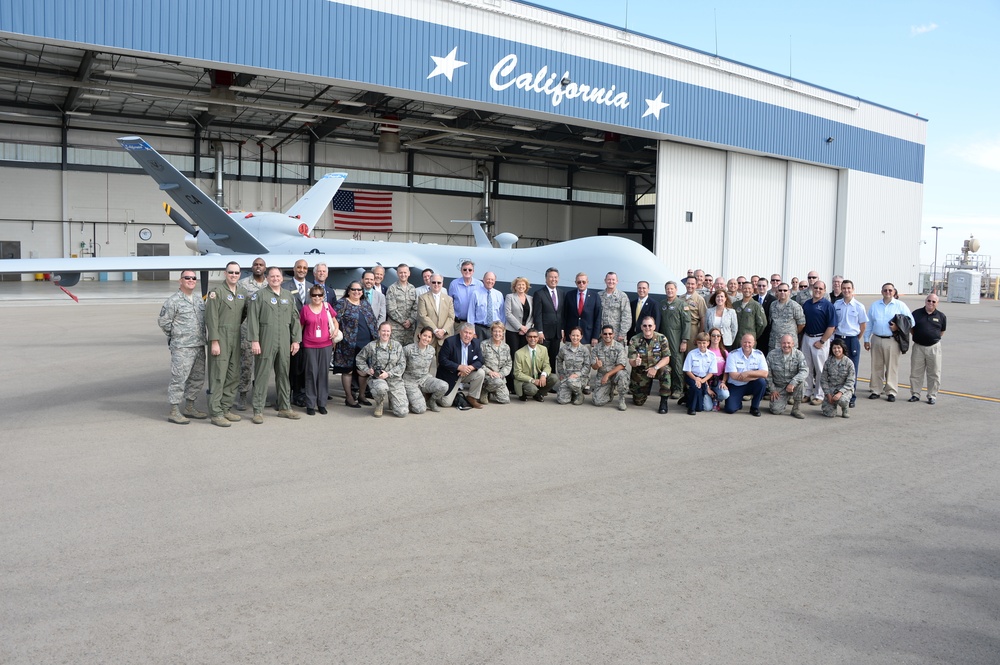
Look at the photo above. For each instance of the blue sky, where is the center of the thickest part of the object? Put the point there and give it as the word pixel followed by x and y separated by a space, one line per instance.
pixel 939 60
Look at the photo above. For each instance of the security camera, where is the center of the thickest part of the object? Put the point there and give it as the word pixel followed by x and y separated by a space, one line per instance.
pixel 565 82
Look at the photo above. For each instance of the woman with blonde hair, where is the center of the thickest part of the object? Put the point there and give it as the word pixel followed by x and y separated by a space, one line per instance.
pixel 519 318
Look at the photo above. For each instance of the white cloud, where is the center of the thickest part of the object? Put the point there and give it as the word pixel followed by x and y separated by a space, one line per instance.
pixel 985 154
pixel 917 30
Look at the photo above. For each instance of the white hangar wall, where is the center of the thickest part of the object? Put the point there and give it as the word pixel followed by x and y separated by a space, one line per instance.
pixel 758 215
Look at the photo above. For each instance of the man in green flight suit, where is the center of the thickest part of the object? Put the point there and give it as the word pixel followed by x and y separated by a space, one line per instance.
pixel 675 325
pixel 275 335
pixel 224 312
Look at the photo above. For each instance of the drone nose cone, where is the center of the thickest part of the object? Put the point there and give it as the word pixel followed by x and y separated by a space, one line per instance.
pixel 191 242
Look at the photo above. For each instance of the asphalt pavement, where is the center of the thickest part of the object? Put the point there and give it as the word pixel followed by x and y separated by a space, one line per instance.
pixel 524 533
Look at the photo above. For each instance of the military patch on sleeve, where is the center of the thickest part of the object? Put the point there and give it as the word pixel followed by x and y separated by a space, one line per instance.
pixel 212 295
pixel 163 311
pixel 253 297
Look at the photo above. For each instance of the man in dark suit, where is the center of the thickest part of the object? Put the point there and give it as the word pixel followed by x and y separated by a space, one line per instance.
pixel 582 308
pixel 764 299
pixel 299 287
pixel 461 361
pixel 548 318
pixel 645 306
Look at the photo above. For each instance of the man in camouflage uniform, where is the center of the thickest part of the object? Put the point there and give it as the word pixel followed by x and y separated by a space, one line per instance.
pixel 675 325
pixel 224 312
pixel 401 306
pixel 383 360
pixel 649 356
pixel 750 316
pixel 275 336
pixel 787 317
pixel 182 319
pixel 252 283
pixel 696 308
pixel 608 360
pixel 572 369
pixel 615 309
pixel 787 372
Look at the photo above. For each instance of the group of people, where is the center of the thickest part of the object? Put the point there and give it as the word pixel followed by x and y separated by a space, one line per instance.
pixel 418 348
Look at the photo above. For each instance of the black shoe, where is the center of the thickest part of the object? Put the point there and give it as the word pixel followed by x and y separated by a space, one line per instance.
pixel 755 412
pixel 523 398
pixel 891 398
pixel 322 410
pixel 853 400
pixel 353 406
pixel 363 402
pixel 692 412
pixel 538 397
pixel 462 406
pixel 682 401
pixel 663 405
pixel 913 398
pixel 310 411
pixel 874 396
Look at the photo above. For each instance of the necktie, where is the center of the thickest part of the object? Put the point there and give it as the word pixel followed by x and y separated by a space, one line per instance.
pixel 302 292
pixel 579 307
pixel 534 373
pixel 555 303
pixel 368 294
pixel 638 308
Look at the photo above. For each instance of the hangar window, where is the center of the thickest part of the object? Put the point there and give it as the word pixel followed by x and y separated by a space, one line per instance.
pixel 447 184
pixel 363 177
pixel 532 191
pixel 590 196
pixel 22 152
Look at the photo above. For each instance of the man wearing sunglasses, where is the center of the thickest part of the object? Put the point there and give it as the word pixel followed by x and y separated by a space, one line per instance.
pixel 224 313
pixel 182 320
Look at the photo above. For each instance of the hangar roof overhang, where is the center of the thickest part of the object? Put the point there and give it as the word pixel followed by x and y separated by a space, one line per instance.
pixel 47 83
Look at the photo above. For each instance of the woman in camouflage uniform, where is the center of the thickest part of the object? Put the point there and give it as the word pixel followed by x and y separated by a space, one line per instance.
pixel 572 368
pixel 838 380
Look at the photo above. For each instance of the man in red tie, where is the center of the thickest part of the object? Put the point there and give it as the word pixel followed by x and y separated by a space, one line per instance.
pixel 582 309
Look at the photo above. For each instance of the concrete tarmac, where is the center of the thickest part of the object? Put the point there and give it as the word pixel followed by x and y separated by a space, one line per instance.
pixel 526 533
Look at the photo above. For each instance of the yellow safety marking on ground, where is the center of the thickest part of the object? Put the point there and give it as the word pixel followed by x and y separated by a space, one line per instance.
pixel 981 398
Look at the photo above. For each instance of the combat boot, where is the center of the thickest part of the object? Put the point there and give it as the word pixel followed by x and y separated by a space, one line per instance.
pixel 578 399
pixel 288 413
pixel 258 418
pixel 191 411
pixel 220 421
pixel 176 416
pixel 432 405
pixel 621 402
pixel 663 405
pixel 231 417
pixel 796 413
pixel 379 405
pixel 844 413
pixel 241 402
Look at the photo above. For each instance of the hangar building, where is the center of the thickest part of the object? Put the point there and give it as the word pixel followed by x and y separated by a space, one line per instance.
pixel 547 125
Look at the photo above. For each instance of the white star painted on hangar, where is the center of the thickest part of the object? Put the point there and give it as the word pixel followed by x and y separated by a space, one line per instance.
pixel 446 65
pixel 654 106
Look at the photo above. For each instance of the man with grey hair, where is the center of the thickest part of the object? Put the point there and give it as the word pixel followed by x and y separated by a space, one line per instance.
pixel 460 363
pixel 320 274
pixel 787 372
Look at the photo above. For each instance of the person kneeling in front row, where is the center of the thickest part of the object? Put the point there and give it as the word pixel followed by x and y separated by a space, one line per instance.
pixel 699 366
pixel 746 373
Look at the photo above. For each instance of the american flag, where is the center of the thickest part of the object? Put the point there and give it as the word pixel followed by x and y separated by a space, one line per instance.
pixel 362 210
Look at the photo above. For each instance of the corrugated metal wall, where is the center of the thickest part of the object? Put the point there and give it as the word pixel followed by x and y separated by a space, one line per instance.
pixel 755 215
pixel 812 222
pixel 690 179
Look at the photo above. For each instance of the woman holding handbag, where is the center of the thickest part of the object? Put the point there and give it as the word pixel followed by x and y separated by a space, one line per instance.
pixel 319 330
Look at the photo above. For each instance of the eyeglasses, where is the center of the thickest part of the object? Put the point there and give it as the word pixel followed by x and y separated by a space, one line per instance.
pixel 776 280
pixel 648 325
pixel 581 282
pixel 354 288
pixel 437 282
pixel 611 334
pixel 812 277
pixel 717 336
pixel 782 290
pixel 315 295
pixel 232 272
pixel 466 269
pixel 192 278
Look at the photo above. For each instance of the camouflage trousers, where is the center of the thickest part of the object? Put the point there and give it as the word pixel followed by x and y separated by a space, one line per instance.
pixel 415 391
pixel 187 373
pixel 641 385
pixel 568 389
pixel 784 399
pixel 246 365
pixel 401 334
pixel 497 389
pixel 393 390
pixel 830 410
pixel 603 391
